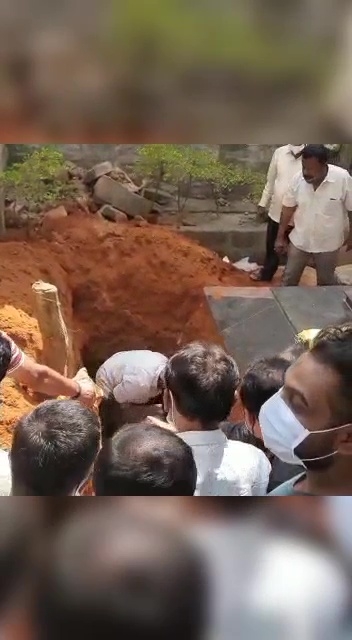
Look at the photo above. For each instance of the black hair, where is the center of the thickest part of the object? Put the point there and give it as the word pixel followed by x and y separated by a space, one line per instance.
pixel 239 431
pixel 20 529
pixel 113 574
pixel 5 356
pixel 203 380
pixel 145 460
pixel 332 347
pixel 295 351
pixel 54 448
pixel 262 380
pixel 317 151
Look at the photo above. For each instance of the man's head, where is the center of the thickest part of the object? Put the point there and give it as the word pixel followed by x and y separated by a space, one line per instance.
pixel 54 449
pixel 261 381
pixel 201 381
pixel 115 574
pixel 315 409
pixel 295 351
pixel 5 356
pixel 145 460
pixel 315 159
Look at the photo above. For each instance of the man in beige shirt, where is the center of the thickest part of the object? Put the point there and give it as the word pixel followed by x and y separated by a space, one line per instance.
pixel 285 164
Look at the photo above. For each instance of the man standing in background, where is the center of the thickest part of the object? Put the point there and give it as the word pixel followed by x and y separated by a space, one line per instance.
pixel 285 164
pixel 320 199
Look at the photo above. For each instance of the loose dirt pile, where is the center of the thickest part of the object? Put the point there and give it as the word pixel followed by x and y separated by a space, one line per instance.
pixel 121 287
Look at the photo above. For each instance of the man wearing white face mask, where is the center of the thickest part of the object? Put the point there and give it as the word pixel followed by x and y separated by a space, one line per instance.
pixel 285 164
pixel 310 419
pixel 201 382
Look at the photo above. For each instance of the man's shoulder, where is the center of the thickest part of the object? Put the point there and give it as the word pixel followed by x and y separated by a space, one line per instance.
pixel 243 455
pixel 284 148
pixel 338 172
pixel 288 487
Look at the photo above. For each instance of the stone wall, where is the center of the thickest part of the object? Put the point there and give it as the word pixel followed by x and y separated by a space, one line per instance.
pixel 85 155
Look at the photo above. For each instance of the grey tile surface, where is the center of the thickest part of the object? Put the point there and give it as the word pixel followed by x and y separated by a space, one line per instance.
pixel 308 308
pixel 251 328
pixel 262 323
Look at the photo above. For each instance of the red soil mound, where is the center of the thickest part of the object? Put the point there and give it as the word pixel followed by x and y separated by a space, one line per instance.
pixel 121 287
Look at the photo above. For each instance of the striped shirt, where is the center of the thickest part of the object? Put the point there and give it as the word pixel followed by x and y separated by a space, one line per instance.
pixel 17 355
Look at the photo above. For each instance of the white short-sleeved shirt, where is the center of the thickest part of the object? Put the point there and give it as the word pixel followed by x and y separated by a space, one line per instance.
pixel 17 356
pixel 283 167
pixel 227 467
pixel 131 376
pixel 322 215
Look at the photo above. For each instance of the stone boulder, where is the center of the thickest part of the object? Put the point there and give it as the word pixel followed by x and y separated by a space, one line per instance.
pixel 108 191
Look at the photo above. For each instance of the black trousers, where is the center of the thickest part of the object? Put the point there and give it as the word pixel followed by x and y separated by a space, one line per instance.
pixel 272 260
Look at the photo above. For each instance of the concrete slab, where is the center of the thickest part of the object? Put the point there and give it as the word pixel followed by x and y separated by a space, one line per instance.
pixel 259 322
pixel 251 323
pixel 308 308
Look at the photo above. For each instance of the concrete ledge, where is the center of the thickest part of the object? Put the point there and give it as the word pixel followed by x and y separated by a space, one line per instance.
pixel 230 235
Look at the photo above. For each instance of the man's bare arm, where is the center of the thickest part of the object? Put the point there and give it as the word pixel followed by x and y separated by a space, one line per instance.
pixel 44 380
pixel 285 220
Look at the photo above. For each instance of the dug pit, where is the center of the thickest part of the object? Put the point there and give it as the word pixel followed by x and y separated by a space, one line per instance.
pixel 121 287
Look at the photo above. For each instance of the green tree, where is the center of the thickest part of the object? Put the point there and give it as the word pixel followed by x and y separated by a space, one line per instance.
pixel 40 180
pixel 183 165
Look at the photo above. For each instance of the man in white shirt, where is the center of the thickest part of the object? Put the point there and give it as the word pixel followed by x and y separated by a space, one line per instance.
pixel 201 382
pixel 285 164
pixel 320 199
pixel 129 378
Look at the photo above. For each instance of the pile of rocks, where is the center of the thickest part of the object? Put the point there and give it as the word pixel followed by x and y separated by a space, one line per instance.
pixel 105 190
pixel 118 197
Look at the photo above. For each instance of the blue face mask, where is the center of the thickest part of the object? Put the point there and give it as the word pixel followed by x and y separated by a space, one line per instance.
pixel 283 433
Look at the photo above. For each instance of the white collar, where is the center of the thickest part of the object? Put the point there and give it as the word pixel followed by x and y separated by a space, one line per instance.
pixel 203 438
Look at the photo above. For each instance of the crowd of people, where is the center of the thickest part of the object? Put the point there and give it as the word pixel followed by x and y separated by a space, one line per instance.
pixel 296 433
pixel 295 437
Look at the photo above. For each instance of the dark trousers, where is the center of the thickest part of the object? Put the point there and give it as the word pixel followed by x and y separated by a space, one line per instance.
pixel 272 260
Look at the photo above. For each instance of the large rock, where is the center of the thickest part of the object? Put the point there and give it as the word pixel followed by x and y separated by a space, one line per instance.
pixel 113 215
pixel 101 169
pixel 158 195
pixel 108 191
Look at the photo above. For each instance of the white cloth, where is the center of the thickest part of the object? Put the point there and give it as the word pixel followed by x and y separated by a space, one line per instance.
pixel 131 376
pixel 17 356
pixel 227 467
pixel 321 216
pixel 283 167
pixel 5 474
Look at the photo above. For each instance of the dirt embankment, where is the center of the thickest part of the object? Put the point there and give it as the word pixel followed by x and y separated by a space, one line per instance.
pixel 121 287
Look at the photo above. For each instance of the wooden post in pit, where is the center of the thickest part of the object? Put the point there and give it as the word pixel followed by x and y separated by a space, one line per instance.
pixel 57 345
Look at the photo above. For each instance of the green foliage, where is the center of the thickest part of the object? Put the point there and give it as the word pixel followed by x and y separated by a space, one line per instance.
pixel 178 164
pixel 38 180
pixel 182 165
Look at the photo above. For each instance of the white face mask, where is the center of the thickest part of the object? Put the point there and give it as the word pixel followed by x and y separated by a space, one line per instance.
pixel 283 433
pixel 296 148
